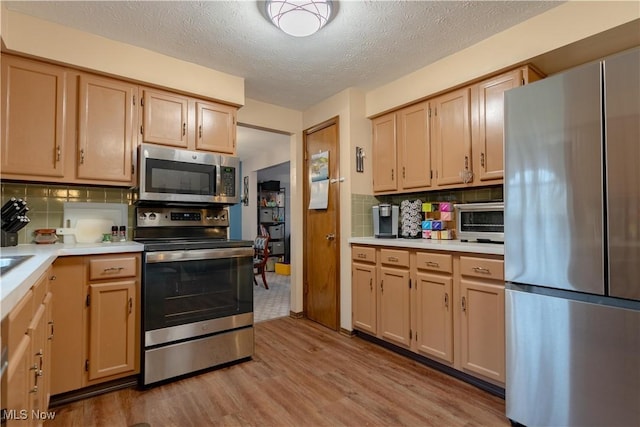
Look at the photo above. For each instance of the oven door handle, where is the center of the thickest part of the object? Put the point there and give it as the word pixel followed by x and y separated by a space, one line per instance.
pixel 197 254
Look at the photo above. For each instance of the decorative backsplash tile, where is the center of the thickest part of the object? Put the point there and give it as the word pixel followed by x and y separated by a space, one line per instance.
pixel 46 202
pixel 361 204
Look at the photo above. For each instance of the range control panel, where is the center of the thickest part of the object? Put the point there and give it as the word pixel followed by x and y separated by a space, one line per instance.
pixel 181 217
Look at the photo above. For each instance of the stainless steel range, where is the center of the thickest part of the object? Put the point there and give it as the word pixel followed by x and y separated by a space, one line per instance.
pixel 197 291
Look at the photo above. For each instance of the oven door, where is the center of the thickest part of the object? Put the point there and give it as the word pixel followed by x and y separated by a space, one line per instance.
pixel 196 292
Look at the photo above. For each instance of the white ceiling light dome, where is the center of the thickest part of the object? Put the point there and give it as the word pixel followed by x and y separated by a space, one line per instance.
pixel 299 18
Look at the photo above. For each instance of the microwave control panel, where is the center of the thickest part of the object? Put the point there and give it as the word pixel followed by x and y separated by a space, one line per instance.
pixel 228 181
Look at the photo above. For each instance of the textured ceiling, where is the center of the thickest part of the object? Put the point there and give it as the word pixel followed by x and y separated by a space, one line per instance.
pixel 367 44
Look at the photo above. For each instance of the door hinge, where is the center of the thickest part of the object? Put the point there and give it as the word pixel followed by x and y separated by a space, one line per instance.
pixel 523 82
pixel 409 283
pixel 134 100
pixel 132 169
pixel 410 335
pixel 431 174
pixel 86 365
pixel 88 301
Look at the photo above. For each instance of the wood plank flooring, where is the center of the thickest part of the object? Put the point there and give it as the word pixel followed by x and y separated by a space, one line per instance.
pixel 302 374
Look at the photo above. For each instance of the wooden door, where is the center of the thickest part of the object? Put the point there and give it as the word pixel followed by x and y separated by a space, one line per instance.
pixel 33 115
pixel 364 297
pixel 322 232
pixel 488 132
pixel 384 147
pixel 216 127
pixel 414 147
pixel 19 379
pixel 452 137
pixel 106 129
pixel 482 332
pixel 67 346
pixel 111 328
pixel 165 118
pixel 434 333
pixel 395 317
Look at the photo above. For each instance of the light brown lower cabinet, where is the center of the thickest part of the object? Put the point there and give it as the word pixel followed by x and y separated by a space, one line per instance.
pixel 446 306
pixel 97 319
pixel 28 330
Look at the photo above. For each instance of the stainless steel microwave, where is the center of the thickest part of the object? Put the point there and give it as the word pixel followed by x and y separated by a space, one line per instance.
pixel 183 176
pixel 480 222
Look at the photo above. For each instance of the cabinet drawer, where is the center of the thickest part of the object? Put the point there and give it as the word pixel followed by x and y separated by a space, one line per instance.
pixel 434 262
pixel 394 257
pixel 112 267
pixel 482 267
pixel 19 319
pixel 363 254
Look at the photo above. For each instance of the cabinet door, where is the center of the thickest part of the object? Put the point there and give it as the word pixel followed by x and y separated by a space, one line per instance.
pixel 165 118
pixel 488 133
pixel 451 137
pixel 111 328
pixel 384 153
pixel 49 329
pixel 434 333
pixel 19 379
pixel 364 297
pixel 37 332
pixel 395 317
pixel 67 346
pixel 105 129
pixel 33 114
pixel 414 147
pixel 216 127
pixel 482 331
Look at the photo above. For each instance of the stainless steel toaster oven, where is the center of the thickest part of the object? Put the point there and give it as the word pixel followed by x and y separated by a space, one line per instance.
pixel 480 222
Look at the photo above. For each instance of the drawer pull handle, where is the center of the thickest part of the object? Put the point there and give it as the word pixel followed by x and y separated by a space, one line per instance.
pixel 106 270
pixel 362 256
pixel 432 264
pixel 481 270
pixel 392 259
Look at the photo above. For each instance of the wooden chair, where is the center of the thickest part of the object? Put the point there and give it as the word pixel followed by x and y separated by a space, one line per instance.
pixel 260 257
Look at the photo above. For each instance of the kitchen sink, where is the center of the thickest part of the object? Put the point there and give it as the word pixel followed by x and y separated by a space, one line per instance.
pixel 9 262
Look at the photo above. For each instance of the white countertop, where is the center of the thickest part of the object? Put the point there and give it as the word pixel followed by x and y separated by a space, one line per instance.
pixel 435 245
pixel 15 284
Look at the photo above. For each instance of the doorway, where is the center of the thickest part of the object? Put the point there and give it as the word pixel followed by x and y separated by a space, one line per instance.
pixel 321 286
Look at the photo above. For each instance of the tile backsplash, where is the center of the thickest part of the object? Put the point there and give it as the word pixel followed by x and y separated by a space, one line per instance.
pixel 361 204
pixel 46 202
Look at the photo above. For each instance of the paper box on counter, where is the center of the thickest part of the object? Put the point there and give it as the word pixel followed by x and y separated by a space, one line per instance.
pixel 426 234
pixel 446 216
pixel 445 207
pixel 426 224
pixel 436 225
pixel 427 207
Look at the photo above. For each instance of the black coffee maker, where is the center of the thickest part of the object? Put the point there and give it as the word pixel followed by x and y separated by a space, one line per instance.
pixel 385 221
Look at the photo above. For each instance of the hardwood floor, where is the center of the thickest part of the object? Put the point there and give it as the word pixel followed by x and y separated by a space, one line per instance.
pixel 302 374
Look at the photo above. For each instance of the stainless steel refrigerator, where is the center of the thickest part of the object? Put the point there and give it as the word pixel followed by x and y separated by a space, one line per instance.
pixel 572 246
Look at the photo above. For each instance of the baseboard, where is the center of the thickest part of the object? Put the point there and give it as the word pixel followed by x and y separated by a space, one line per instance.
pixel 347 332
pixel 296 314
pixel 95 390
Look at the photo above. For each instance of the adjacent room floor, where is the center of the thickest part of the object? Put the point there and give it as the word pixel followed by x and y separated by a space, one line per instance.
pixel 273 302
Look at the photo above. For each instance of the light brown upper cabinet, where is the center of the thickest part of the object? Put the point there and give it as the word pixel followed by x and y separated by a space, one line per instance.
pixel 216 127
pixel 384 153
pixel 402 150
pixel 164 118
pixel 106 129
pixel 451 137
pixel 487 101
pixel 414 147
pixel 33 115
pixel 181 121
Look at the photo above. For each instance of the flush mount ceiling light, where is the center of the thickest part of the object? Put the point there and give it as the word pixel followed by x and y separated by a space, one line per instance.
pixel 299 18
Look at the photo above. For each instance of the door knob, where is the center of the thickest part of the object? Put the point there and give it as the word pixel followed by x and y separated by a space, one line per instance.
pixel 330 236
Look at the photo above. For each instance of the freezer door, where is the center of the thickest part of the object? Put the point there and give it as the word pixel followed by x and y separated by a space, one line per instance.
pixel 571 363
pixel 622 136
pixel 554 222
